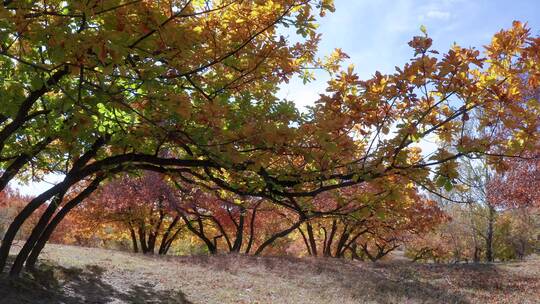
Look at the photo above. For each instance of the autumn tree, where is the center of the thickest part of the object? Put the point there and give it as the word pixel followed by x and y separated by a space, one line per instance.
pixel 153 212
pixel 517 186
pixel 100 86
pixel 478 211
pixel 516 191
pixel 230 223
pixel 378 219
pixel 139 206
pixel 514 236
pixel 81 81
pixel 403 221
pixel 342 218
pixel 499 209
pixel 11 202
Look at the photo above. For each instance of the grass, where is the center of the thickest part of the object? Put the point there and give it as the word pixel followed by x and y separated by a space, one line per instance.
pixel 70 274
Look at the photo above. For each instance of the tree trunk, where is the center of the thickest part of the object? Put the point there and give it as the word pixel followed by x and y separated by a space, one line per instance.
pixel 171 240
pixel 133 238
pixel 156 228
pixel 21 217
pixel 37 231
pixel 342 242
pixel 223 233
pixel 278 235
pixel 328 247
pixel 32 258
pixel 308 248
pixel 366 252
pixel 489 234
pixel 342 245
pixel 311 238
pixel 354 253
pixel 476 254
pixel 212 248
pixel 142 238
pixel 239 232
pixel 165 237
pixel 72 177
pixel 252 226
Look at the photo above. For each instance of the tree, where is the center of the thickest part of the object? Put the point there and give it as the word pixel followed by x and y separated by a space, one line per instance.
pixel 243 224
pixel 516 190
pixel 517 186
pixel 110 86
pixel 517 235
pixel 475 177
pixel 11 202
pixel 60 96
pixel 140 206
pixel 403 221
pixel 514 236
pixel 376 216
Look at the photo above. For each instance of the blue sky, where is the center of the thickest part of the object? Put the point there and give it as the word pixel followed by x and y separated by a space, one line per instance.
pixel 375 33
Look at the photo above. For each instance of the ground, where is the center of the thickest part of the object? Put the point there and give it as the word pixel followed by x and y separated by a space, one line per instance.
pixel 70 274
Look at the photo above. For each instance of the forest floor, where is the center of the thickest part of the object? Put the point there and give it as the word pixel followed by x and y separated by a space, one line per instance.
pixel 70 274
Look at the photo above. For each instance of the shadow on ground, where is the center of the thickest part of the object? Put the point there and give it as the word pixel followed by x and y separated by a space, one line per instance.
pixel 383 283
pixel 273 280
pixel 380 283
pixel 55 284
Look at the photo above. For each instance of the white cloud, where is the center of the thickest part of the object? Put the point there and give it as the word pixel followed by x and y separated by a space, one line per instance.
pixel 438 14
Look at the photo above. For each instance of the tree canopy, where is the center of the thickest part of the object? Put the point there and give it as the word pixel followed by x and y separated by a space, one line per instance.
pixel 188 88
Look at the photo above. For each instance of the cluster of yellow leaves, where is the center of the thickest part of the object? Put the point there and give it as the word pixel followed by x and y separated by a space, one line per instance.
pixel 363 125
pixel 199 78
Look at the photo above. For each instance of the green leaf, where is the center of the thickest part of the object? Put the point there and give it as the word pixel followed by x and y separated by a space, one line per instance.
pixel 441 181
pixel 448 186
pixel 36 83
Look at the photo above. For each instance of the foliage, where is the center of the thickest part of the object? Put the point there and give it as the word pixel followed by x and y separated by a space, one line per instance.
pixel 188 88
pixel 515 233
pixel 11 202
pixel 133 209
pixel 518 185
